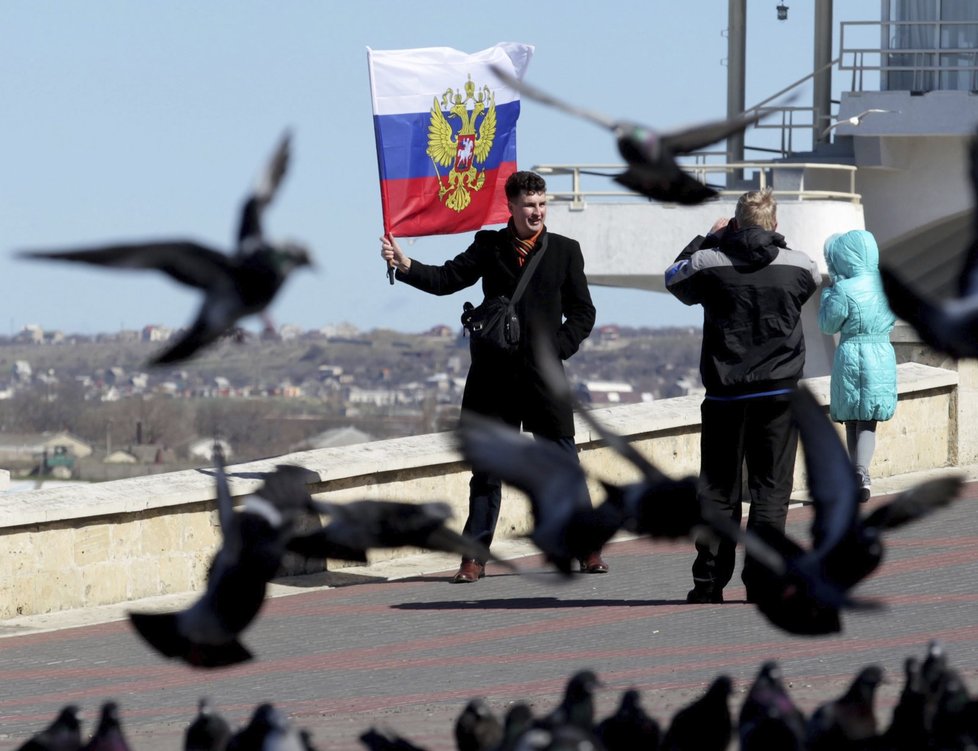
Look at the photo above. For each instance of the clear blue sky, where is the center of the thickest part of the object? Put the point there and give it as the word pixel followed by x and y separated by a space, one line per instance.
pixel 144 120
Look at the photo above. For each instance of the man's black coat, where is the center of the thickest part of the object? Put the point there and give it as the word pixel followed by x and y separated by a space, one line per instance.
pixel 556 299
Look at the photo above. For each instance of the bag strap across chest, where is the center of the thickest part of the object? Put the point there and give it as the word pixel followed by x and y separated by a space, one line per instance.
pixel 528 271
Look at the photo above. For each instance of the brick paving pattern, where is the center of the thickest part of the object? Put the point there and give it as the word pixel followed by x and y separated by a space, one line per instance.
pixel 409 653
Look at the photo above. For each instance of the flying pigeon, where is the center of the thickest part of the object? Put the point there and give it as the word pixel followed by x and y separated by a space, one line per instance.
pixel 234 286
pixel 359 526
pixel 651 156
pixel 861 551
pixel 566 528
pixel 254 541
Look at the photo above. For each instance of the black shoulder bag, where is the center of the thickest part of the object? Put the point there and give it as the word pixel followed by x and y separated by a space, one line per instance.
pixel 494 325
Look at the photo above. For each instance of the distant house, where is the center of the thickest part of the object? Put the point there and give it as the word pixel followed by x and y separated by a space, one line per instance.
pixel 155 333
pixel 441 331
pixel 27 447
pixel 30 334
pixel 609 332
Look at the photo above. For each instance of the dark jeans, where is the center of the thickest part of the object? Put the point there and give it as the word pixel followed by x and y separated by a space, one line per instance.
pixel 485 497
pixel 757 433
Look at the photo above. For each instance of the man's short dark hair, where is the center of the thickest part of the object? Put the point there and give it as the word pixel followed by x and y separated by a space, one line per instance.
pixel 524 182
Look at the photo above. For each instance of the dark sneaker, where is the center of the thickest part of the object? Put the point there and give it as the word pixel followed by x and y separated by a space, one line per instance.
pixel 865 493
pixel 704 596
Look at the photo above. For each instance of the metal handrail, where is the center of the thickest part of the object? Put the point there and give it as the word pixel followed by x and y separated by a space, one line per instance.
pixel 925 60
pixel 577 195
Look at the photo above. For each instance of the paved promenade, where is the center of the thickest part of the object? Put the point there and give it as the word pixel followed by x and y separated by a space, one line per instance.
pixel 339 652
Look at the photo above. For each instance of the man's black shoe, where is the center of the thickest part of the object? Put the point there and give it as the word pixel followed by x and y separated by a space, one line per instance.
pixel 704 596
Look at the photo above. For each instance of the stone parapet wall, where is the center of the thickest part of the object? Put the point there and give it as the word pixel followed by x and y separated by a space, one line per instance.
pixel 85 545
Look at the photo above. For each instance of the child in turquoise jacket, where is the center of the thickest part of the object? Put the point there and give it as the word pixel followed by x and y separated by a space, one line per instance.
pixel 863 389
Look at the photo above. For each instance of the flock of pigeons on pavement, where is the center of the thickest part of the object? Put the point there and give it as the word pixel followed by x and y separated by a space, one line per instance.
pixel 805 588
pixel 934 713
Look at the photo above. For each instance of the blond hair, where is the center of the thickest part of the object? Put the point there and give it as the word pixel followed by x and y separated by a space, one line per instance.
pixel 757 209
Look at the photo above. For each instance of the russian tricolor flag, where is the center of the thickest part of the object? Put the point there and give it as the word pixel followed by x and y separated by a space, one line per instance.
pixel 446 136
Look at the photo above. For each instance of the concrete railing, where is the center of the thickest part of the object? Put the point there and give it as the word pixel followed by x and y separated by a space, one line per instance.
pixel 97 544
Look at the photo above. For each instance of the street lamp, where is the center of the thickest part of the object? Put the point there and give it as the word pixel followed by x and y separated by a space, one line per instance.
pixel 782 11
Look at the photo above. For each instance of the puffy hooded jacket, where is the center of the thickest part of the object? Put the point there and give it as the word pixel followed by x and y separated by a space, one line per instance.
pixel 864 371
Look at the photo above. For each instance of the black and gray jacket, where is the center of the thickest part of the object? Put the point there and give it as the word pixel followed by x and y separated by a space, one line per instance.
pixel 752 288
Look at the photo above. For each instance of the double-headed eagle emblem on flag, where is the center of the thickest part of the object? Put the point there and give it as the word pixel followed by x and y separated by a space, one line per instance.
pixel 462 148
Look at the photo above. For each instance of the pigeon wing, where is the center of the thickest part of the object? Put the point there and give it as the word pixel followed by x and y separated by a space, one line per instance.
pixel 543 97
pixel 968 283
pixel 264 191
pixel 184 261
pixel 915 503
pixel 832 480
pixel 695 137
pixel 951 328
pixel 549 476
pixel 671 187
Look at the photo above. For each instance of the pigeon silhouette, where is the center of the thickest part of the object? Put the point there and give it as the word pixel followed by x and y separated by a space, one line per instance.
pixel 953 723
pixel 566 528
pixel 359 526
pixel 234 286
pixel 704 725
pixel 577 705
pixel 477 728
pixel 768 718
pixel 630 727
pixel 651 156
pixel 517 721
pixel 911 723
pixel 268 729
pixel 806 594
pixel 63 734
pixel 108 735
pixel 208 731
pixel 796 593
pixel 850 720
pixel 254 541
pixel 948 326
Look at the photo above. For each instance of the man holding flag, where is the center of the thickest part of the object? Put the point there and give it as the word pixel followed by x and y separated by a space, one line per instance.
pixel 509 386
pixel 446 148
